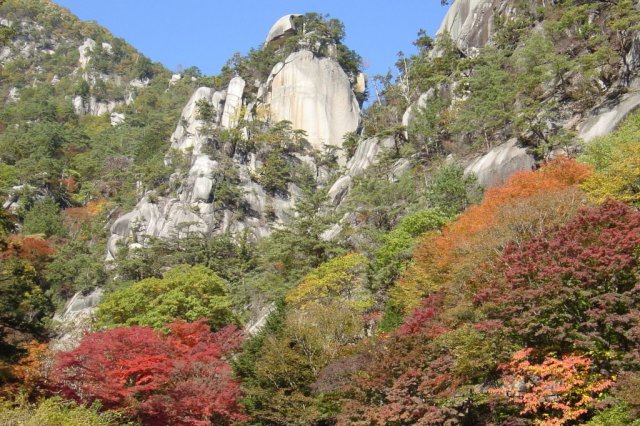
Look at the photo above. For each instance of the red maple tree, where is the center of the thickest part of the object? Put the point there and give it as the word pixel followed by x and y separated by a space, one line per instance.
pixel 181 378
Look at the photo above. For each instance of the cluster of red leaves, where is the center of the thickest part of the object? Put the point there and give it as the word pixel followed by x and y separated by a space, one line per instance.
pixel 576 287
pixel 31 248
pixel 180 379
pixel 400 382
pixel 402 378
pixel 556 390
pixel 76 216
pixel 570 286
pixel 424 319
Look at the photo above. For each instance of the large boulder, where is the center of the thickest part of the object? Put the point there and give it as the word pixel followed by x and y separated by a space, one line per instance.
pixel 282 27
pixel 315 95
pixel 495 167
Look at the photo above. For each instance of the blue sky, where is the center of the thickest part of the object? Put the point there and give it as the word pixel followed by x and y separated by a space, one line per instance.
pixel 205 33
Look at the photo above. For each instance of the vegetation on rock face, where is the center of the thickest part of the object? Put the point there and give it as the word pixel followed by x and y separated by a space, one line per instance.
pixel 320 34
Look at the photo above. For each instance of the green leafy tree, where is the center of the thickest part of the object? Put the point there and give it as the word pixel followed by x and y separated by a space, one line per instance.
pixel 184 292
pixel 281 389
pixel 396 249
pixel 451 191
pixel 24 306
pixel 44 217
pixel 489 107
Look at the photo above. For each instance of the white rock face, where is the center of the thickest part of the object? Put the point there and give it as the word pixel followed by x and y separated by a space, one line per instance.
pixel 366 155
pixel 282 27
pixel 233 103
pixel 315 95
pixel 187 134
pixel 14 95
pixel 495 167
pixel 174 79
pixel 116 118
pixel 470 23
pixel 607 117
pixel 360 85
pixel 75 320
pixel 93 106
pixel 85 50
pixel 107 48
pixel 191 208
pixel 409 114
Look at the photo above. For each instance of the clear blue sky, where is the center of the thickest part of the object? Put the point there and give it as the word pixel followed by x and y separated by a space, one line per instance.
pixel 205 33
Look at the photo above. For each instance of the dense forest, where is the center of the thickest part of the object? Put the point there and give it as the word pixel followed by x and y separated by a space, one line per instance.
pixel 420 292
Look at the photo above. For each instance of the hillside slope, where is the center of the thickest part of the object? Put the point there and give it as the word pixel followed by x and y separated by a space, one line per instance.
pixel 257 247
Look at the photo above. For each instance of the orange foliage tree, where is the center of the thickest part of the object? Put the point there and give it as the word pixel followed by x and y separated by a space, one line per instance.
pixel 30 372
pixel 74 217
pixel 555 391
pixel 522 208
pixel 31 248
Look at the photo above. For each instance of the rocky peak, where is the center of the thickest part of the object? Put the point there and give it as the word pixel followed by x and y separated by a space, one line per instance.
pixel 312 93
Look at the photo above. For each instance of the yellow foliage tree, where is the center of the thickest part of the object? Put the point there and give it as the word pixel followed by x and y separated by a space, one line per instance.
pixel 619 178
pixel 342 277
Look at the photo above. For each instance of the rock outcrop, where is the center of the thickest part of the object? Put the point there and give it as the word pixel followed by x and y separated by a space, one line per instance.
pixel 366 155
pixel 94 107
pixel 495 167
pixel 314 94
pixel 191 208
pixel 233 103
pixel 75 320
pixel 606 117
pixel 470 23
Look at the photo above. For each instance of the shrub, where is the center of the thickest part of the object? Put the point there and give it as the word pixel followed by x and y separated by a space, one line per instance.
pixel 574 287
pixel 341 278
pixel 44 218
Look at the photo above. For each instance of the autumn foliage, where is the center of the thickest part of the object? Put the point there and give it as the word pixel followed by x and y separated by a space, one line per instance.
pixel 555 391
pixel 575 287
pixel 31 248
pixel 523 207
pixel 570 292
pixel 181 378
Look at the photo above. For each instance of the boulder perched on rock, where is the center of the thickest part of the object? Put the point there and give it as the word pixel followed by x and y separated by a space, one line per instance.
pixel 282 27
